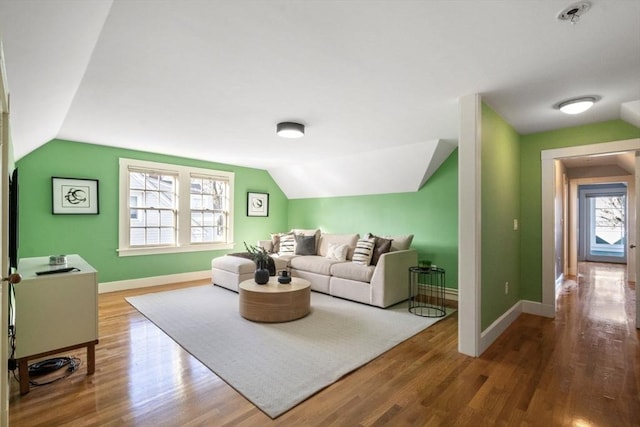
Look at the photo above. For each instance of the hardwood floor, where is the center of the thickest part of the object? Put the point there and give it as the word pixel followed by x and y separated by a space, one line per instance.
pixel 580 369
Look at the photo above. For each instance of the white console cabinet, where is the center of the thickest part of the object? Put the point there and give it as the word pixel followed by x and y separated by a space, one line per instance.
pixel 55 313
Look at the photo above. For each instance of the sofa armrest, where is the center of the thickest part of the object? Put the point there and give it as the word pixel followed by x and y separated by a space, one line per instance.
pixel 266 244
pixel 390 280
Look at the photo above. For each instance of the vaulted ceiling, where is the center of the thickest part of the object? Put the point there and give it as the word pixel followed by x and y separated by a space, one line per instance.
pixel 376 83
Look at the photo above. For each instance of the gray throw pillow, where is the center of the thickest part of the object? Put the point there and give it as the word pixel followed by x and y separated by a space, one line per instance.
pixel 382 247
pixel 305 245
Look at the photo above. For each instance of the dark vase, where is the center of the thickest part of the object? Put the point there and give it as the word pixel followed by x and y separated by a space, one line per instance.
pixel 261 276
pixel 284 277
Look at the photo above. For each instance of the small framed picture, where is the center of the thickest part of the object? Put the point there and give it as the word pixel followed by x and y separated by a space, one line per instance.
pixel 257 204
pixel 72 196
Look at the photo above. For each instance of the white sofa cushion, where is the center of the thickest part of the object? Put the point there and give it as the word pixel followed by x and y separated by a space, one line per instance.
pixel 234 264
pixel 337 252
pixel 350 289
pixel 284 258
pixel 319 282
pixel 337 239
pixel 353 271
pixel 313 263
pixel 400 243
pixel 239 265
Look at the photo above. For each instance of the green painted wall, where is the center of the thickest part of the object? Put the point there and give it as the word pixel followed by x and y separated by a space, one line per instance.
pixel 530 192
pixel 95 237
pixel 511 188
pixel 500 160
pixel 430 214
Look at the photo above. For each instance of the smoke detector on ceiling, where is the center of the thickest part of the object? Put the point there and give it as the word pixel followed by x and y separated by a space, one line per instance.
pixel 573 12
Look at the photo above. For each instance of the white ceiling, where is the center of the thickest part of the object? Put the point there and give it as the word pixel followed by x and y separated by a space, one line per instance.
pixel 372 81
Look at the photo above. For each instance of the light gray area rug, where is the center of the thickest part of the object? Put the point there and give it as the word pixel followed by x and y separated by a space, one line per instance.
pixel 278 365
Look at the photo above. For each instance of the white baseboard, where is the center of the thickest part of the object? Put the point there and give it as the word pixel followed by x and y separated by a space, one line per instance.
pixel 122 285
pixel 559 282
pixel 489 335
pixel 539 309
pixel 451 294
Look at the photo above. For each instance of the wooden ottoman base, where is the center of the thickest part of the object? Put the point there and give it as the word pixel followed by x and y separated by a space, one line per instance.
pixel 274 302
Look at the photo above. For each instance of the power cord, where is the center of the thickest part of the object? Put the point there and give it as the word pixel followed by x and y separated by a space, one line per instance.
pixel 49 366
pixel 12 328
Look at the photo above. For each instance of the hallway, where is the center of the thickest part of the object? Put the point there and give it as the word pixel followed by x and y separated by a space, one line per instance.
pixel 597 354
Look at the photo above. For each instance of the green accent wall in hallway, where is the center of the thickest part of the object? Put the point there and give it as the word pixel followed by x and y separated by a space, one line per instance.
pixel 531 147
pixel 511 189
pixel 500 207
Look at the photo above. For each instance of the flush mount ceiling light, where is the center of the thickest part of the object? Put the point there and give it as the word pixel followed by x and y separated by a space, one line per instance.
pixel 290 130
pixel 573 12
pixel 577 105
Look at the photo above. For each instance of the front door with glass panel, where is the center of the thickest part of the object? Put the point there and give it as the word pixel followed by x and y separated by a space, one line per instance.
pixel 603 227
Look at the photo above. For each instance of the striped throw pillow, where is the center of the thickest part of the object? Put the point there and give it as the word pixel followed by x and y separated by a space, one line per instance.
pixel 364 251
pixel 287 244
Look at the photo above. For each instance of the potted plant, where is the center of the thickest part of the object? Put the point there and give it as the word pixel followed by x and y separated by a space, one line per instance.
pixel 261 257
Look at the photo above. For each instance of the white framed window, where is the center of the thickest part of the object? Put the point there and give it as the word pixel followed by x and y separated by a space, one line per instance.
pixel 168 208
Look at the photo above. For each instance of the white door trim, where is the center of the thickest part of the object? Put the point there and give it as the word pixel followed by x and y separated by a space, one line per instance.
pixel 637 238
pixel 4 257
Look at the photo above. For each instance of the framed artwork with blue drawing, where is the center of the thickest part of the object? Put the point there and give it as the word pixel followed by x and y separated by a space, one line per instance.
pixel 74 196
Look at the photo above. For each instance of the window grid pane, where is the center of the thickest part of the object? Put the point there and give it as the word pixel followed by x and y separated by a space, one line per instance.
pixel 609 224
pixel 153 221
pixel 209 210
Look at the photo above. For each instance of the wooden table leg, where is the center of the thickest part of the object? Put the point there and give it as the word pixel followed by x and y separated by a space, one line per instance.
pixel 23 372
pixel 23 362
pixel 91 358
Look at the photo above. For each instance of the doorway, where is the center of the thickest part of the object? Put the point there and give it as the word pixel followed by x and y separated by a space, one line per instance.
pixel 602 224
pixel 550 160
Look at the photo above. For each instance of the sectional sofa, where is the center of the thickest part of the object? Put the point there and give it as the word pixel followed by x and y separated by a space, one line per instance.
pixel 372 270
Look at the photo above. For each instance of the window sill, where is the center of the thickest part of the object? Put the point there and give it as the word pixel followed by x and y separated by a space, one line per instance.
pixel 174 249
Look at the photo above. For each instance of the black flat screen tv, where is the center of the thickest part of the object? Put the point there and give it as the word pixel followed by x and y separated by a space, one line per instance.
pixel 13 221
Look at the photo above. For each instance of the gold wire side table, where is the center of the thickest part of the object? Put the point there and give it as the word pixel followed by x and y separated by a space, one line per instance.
pixel 426 291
